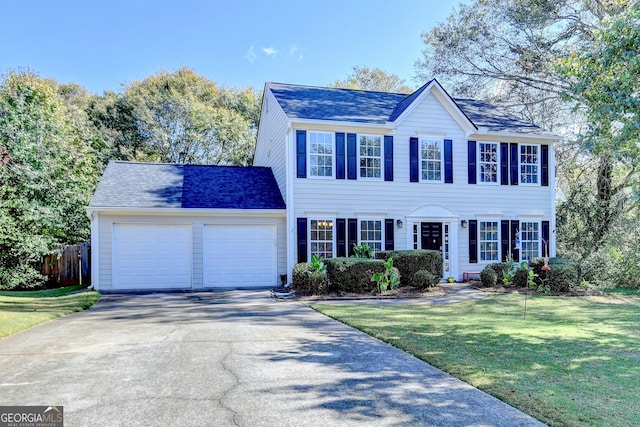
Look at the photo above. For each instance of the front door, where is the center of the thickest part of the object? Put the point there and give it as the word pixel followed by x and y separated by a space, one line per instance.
pixel 431 235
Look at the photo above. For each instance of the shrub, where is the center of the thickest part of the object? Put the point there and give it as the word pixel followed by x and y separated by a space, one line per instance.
pixel 424 279
pixel 300 276
pixel 389 279
pixel 500 268
pixel 563 276
pixel 521 278
pixel 488 276
pixel 410 261
pixel 353 274
pixel 317 283
pixel 362 251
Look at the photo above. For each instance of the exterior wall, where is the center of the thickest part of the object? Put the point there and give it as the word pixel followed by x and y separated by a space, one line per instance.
pixel 400 199
pixel 102 238
pixel 271 145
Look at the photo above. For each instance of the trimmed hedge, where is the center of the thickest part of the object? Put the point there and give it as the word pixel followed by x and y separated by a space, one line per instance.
pixel 308 281
pixel 488 277
pixel 564 275
pixel 408 262
pixel 423 279
pixel 353 274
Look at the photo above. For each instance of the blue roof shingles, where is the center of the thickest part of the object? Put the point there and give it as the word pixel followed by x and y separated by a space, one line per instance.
pixel 153 185
pixel 332 104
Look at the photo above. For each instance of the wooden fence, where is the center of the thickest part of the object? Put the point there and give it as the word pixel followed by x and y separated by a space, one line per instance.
pixel 72 267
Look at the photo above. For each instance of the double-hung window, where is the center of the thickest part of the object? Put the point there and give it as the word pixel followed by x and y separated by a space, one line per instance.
pixel 529 240
pixel 371 234
pixel 488 162
pixel 431 155
pixel 370 156
pixel 529 163
pixel 320 154
pixel 321 237
pixel 488 240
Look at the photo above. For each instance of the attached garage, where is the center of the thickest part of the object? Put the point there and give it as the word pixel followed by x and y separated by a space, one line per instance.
pixel 240 255
pixel 183 227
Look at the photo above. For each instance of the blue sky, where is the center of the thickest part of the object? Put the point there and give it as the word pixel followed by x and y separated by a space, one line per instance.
pixel 103 44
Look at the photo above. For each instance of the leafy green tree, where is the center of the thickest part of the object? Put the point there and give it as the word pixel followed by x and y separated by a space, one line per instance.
pixel 47 176
pixel 182 117
pixel 364 78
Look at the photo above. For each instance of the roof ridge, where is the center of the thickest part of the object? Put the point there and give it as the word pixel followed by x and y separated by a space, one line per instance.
pixel 339 88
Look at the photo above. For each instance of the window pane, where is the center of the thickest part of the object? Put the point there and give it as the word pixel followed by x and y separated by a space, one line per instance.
pixel 320 154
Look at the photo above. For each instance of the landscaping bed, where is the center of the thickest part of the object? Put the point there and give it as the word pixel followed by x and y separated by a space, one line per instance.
pixel 403 292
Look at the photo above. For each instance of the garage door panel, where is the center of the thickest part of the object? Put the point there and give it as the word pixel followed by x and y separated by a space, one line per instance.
pixel 239 255
pixel 151 256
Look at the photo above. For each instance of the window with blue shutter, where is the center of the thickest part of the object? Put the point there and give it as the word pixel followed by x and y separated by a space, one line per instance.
pixel 544 168
pixel 504 165
pixel 471 163
pixel 473 240
pixel 414 172
pixel 352 156
pixel 388 158
pixel 341 237
pixel 302 239
pixel 513 164
pixel 352 235
pixel 301 153
pixel 388 235
pixel 340 156
pixel 448 161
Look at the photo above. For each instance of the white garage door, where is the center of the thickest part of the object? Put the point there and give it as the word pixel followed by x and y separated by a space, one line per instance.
pixel 151 256
pixel 239 255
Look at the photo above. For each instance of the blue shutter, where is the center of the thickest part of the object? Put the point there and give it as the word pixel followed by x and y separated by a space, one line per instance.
pixel 301 153
pixel 414 175
pixel 388 235
pixel 513 164
pixel 504 164
pixel 352 157
pixel 448 161
pixel 340 159
pixel 473 240
pixel 545 238
pixel 471 163
pixel 341 237
pixel 388 158
pixel 515 225
pixel 352 235
pixel 504 239
pixel 302 239
pixel 544 169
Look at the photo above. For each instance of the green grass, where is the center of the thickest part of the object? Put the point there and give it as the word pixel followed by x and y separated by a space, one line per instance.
pixel 24 309
pixel 572 362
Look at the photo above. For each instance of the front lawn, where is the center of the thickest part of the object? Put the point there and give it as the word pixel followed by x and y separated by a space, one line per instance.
pixel 24 309
pixel 574 361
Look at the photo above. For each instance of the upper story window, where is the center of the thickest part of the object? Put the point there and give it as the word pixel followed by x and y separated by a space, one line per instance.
pixel 431 154
pixel 370 149
pixel 488 240
pixel 529 240
pixel 488 162
pixel 321 237
pixel 371 234
pixel 320 154
pixel 529 163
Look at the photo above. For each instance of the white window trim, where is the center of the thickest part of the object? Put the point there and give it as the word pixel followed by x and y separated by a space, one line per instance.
pixel 534 220
pixel 369 135
pixel 333 234
pixel 382 229
pixel 420 159
pixel 497 221
pixel 538 165
pixel 333 155
pixel 479 163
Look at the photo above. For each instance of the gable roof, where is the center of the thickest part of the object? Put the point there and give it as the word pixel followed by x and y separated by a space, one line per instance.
pixel 360 106
pixel 159 185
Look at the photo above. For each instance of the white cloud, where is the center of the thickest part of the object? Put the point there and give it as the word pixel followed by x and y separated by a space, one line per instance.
pixel 251 54
pixel 269 51
pixel 295 52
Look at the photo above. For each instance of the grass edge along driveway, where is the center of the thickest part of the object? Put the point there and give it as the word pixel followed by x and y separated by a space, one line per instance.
pixel 25 309
pixel 574 361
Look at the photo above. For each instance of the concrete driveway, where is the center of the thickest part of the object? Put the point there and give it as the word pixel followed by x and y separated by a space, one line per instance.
pixel 233 358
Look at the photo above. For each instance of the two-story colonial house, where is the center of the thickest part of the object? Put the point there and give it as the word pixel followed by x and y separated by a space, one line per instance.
pixel 333 168
pixel 423 171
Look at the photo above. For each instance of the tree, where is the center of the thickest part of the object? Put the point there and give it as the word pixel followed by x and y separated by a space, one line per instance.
pixel 182 117
pixel 47 176
pixel 375 79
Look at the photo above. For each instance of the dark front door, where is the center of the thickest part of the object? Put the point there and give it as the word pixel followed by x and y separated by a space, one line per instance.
pixel 431 235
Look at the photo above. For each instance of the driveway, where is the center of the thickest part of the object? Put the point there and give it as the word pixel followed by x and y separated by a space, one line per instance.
pixel 234 358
